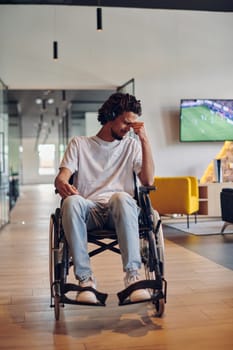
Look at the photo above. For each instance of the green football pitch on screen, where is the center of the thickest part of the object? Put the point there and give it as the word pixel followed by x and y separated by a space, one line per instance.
pixel 201 124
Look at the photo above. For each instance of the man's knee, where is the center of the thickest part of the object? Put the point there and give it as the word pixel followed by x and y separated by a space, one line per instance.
pixel 121 199
pixel 71 203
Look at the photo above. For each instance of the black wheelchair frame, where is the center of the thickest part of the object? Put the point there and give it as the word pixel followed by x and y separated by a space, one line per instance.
pixel 152 255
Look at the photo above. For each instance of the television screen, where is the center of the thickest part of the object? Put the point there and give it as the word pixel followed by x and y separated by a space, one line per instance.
pixel 206 120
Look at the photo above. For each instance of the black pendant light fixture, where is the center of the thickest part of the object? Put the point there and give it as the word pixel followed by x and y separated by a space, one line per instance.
pixel 55 50
pixel 55 43
pixel 99 18
pixel 64 95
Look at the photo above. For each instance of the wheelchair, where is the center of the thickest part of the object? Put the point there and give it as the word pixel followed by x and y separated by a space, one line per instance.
pixel 152 256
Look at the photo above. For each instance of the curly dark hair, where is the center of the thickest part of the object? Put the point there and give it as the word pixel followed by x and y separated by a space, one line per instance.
pixel 117 104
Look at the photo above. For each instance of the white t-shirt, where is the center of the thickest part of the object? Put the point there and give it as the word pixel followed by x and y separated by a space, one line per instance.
pixel 102 168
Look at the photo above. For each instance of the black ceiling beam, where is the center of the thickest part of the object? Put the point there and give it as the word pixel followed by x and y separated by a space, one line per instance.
pixel 191 5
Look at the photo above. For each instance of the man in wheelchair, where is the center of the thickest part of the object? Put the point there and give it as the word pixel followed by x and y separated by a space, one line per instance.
pixel 102 192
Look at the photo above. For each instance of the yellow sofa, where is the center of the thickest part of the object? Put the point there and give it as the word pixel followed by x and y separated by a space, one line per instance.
pixel 176 195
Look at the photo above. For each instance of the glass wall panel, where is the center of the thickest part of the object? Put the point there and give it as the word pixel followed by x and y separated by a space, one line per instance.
pixel 4 176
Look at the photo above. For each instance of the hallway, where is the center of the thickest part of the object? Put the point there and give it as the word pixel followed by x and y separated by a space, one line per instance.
pixel 198 314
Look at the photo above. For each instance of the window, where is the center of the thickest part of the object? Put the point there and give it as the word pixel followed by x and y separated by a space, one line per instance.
pixel 46 159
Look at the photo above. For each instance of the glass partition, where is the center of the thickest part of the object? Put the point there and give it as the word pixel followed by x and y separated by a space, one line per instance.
pixel 4 178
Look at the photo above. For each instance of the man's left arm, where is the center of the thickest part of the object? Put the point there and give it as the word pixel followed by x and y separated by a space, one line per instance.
pixel 146 174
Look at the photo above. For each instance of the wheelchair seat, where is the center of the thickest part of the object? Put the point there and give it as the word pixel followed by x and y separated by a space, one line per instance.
pixel 152 256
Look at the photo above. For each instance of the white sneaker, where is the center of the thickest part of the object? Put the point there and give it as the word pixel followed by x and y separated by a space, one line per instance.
pixel 132 277
pixel 87 296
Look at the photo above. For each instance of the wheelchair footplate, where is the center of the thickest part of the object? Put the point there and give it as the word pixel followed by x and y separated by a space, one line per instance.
pixel 70 287
pixel 155 285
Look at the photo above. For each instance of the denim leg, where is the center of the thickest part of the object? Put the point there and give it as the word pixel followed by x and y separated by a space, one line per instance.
pixel 75 214
pixel 124 212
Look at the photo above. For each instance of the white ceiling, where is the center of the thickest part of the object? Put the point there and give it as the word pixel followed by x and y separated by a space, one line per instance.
pixel 134 42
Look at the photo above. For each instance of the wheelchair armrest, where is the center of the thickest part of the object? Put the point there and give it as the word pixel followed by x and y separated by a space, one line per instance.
pixel 146 189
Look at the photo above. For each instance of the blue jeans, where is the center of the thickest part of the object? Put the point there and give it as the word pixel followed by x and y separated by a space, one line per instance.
pixel 80 214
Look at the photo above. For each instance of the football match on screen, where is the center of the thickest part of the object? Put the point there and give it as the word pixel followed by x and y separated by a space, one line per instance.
pixel 206 120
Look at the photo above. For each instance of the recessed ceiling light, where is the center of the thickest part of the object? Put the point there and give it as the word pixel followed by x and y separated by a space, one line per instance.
pixel 38 101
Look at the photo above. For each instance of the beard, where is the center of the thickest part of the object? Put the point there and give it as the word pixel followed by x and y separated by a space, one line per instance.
pixel 116 136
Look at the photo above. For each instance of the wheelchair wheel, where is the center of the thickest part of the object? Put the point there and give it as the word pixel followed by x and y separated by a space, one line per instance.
pixel 160 307
pixel 160 240
pixel 54 273
pixel 151 218
pixel 152 252
pixel 152 271
pixel 159 304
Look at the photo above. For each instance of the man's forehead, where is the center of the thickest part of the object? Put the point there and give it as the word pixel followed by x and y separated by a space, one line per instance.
pixel 128 121
pixel 129 117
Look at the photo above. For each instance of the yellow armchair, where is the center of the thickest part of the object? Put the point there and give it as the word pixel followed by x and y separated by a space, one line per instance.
pixel 176 195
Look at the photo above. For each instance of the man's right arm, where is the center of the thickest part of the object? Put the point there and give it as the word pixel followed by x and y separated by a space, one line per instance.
pixel 62 183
